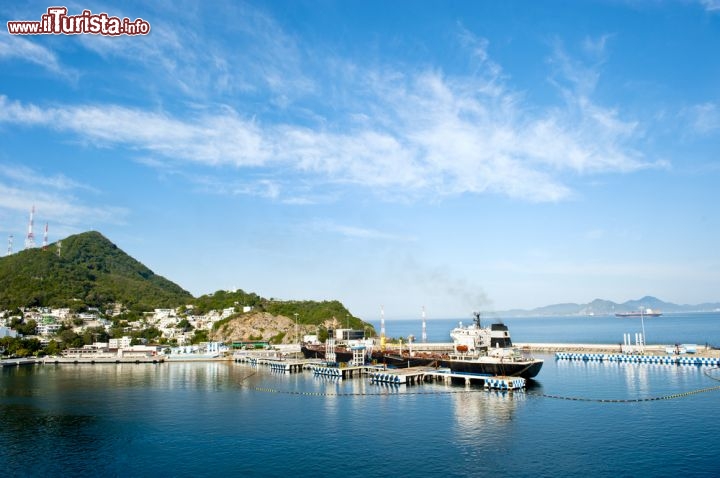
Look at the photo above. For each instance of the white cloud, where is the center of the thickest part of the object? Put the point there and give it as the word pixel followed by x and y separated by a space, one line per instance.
pixel 703 118
pixel 28 176
pixel 404 133
pixel 711 5
pixel 213 140
pixel 17 48
pixel 254 57
pixel 355 232
pixel 54 200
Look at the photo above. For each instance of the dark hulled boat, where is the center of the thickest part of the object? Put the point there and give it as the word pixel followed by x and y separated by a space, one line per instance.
pixel 317 351
pixel 639 313
pixel 488 351
pixel 394 359
pixel 489 365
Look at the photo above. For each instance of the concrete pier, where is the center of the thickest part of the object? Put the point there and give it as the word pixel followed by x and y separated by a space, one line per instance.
pixel 98 360
pixel 278 364
pixel 342 372
pixel 702 351
pixel 413 375
pixel 637 358
pixel 399 376
pixel 15 362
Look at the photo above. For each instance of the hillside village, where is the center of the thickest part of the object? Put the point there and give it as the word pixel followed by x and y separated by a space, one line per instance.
pixel 50 331
pixel 94 293
pixel 115 326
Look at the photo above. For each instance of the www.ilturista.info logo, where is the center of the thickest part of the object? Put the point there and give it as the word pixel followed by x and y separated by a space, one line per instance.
pixel 57 22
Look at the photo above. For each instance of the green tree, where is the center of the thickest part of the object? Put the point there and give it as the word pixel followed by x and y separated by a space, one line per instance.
pixel 322 334
pixel 26 327
pixel 185 325
pixel 53 348
pixel 200 336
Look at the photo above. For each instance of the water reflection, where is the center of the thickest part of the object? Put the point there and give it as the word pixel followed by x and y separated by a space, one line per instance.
pixel 481 411
pixel 619 380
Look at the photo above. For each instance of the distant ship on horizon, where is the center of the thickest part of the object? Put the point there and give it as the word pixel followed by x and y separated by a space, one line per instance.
pixel 640 313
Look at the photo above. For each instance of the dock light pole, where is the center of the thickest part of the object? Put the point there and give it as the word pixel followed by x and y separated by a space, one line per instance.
pixel 296 328
pixel 642 324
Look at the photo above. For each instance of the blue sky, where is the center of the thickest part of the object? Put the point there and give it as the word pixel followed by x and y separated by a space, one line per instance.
pixel 457 155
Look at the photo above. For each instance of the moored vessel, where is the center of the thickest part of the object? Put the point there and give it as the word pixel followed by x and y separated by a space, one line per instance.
pixel 488 351
pixel 476 350
pixel 640 313
pixel 318 351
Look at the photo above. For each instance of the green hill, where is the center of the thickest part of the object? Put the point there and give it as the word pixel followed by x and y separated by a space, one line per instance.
pixel 308 312
pixel 91 271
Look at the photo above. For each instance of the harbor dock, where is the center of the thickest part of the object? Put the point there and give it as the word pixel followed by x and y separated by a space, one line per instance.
pixel 277 363
pixel 380 374
pixel 638 358
pixel 99 360
pixel 16 362
pixel 702 351
pixel 414 375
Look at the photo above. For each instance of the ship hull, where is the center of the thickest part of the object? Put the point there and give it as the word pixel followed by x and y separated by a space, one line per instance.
pixel 402 361
pixel 494 367
pixel 638 314
pixel 312 352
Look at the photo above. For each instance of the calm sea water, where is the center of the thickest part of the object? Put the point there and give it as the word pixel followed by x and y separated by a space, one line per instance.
pixel 202 419
pixel 667 329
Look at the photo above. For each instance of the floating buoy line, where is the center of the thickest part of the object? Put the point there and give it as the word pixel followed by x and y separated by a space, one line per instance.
pixel 673 396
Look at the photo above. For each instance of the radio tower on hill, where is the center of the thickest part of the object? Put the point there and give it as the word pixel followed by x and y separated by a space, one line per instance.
pixel 45 242
pixel 10 244
pixel 30 239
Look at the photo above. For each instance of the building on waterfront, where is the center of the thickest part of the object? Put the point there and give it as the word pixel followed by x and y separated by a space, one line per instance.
pixel 7 332
pixel 121 343
pixel 345 335
pixel 47 328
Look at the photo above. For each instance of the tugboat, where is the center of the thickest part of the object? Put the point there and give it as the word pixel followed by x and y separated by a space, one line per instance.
pixel 488 351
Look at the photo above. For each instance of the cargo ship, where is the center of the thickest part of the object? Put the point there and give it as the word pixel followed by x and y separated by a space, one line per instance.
pixel 639 313
pixel 488 351
pixel 476 350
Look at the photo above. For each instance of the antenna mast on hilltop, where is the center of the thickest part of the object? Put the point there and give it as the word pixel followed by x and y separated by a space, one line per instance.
pixel 30 239
pixel 10 245
pixel 45 238
pixel 59 248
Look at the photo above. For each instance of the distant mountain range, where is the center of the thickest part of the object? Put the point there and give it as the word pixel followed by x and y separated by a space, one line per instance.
pixel 607 307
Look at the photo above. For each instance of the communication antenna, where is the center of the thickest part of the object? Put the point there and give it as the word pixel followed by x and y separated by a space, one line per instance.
pixel 10 245
pixel 382 328
pixel 382 321
pixel 59 247
pixel 45 238
pixel 30 239
pixel 424 327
